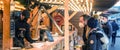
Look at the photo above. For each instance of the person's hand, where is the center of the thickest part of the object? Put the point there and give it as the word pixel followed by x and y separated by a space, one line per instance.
pixel 32 28
pixel 42 27
pixel 81 42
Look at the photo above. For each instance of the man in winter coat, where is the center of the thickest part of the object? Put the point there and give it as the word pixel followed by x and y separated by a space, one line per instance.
pixel 107 27
pixel 22 30
pixel 115 28
pixel 91 42
pixel 83 24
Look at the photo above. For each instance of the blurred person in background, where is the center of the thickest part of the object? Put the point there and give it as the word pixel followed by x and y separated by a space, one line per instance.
pixel 114 33
pixel 83 24
pixel 107 27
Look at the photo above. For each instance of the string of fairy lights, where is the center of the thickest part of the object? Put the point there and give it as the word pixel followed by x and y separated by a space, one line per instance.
pixel 75 5
pixel 1 5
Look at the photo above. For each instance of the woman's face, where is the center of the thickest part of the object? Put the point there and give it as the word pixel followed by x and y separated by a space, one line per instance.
pixel 81 22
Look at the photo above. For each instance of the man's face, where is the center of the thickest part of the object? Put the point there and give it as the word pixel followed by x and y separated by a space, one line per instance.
pixel 105 20
pixel 81 22
pixel 22 17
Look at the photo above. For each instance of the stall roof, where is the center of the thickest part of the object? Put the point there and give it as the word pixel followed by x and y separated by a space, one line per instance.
pixel 84 5
pixel 75 5
pixel 101 5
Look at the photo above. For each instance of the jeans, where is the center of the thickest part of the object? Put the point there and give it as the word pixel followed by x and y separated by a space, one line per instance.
pixel 114 38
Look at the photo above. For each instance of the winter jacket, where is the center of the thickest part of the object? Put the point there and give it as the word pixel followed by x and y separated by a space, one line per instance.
pixel 22 30
pixel 107 27
pixel 115 26
pixel 93 42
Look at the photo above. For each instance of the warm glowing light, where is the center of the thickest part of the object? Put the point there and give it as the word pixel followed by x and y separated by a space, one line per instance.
pixel 73 6
pixel 50 1
pixel 90 6
pixel 1 2
pixel 77 1
pixel 19 6
pixel 81 0
pixel 46 0
pixel 18 9
pixel 87 5
pixel 86 1
pixel 78 9
pixel 99 12
pixel 16 2
pixel 55 1
pixel 41 0
pixel 1 5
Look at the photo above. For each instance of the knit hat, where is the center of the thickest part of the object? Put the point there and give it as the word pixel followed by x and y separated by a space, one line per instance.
pixel 26 13
pixel 92 22
pixel 104 15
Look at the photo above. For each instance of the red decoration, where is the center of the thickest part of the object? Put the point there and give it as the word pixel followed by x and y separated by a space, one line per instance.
pixel 59 19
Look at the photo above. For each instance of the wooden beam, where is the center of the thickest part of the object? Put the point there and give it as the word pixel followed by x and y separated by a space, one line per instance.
pixel 6 25
pixel 66 23
pixel 44 14
pixel 73 14
pixel 52 9
pixel 54 22
pixel 46 22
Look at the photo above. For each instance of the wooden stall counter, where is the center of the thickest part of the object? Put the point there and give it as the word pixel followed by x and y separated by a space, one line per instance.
pixel 50 45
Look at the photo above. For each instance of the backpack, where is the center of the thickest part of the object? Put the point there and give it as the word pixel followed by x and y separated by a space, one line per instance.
pixel 98 37
pixel 98 41
pixel 103 39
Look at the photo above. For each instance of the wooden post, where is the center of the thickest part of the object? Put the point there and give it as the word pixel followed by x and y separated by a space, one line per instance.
pixel 6 25
pixel 66 23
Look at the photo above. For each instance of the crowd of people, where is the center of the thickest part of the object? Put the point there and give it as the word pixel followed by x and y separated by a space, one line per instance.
pixel 98 32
